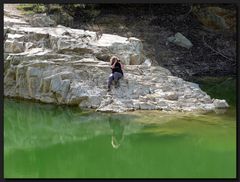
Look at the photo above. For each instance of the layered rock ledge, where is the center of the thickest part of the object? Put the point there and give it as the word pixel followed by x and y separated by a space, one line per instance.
pixel 61 65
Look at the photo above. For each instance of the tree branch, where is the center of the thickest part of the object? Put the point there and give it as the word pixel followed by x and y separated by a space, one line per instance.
pixel 217 52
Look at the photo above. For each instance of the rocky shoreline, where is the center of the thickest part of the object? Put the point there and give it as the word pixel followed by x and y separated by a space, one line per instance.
pixel 60 65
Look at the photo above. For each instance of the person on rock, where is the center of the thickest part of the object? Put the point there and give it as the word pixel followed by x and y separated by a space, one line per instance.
pixel 117 72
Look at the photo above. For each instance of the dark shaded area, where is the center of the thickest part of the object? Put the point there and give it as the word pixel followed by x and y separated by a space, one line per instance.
pixel 153 23
pixel 219 87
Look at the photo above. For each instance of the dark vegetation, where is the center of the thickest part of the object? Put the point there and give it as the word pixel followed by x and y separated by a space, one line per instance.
pixel 219 87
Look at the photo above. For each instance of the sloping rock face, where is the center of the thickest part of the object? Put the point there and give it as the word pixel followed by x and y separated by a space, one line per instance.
pixel 68 66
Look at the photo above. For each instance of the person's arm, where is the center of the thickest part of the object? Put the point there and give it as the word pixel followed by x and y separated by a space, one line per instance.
pixel 122 66
pixel 114 64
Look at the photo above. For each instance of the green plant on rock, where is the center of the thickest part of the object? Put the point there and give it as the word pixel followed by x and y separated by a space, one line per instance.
pixel 32 8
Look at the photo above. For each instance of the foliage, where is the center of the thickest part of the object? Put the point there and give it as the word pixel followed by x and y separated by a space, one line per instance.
pixel 86 12
pixel 219 87
pixel 32 8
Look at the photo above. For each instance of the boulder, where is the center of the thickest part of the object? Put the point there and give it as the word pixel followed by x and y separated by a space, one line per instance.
pixel 147 62
pixel 220 103
pixel 180 40
pixel 42 20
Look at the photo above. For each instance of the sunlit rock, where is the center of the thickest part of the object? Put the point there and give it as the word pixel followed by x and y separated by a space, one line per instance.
pixel 70 66
pixel 13 46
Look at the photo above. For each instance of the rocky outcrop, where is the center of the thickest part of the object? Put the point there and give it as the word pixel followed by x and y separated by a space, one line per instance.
pixel 63 66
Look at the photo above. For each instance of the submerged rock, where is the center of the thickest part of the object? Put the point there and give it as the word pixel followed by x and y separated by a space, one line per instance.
pixel 63 66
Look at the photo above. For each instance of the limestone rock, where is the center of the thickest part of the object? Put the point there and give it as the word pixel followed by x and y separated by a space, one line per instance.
pixel 180 40
pixel 220 103
pixel 171 96
pixel 70 66
pixel 147 62
pixel 13 46
pixel 17 37
pixel 91 102
pixel 41 20
pixel 135 59
pixel 10 21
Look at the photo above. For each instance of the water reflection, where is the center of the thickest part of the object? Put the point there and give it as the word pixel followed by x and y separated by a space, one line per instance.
pixel 117 125
pixel 220 111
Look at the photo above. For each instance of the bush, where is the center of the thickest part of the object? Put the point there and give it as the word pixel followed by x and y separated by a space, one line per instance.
pixel 86 12
pixel 32 8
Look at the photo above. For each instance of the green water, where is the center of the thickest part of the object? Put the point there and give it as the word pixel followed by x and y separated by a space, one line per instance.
pixel 47 141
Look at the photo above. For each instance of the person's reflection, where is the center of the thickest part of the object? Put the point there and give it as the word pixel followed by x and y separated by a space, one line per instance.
pixel 117 125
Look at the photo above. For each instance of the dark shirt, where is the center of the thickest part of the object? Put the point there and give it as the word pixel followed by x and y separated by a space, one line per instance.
pixel 117 68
